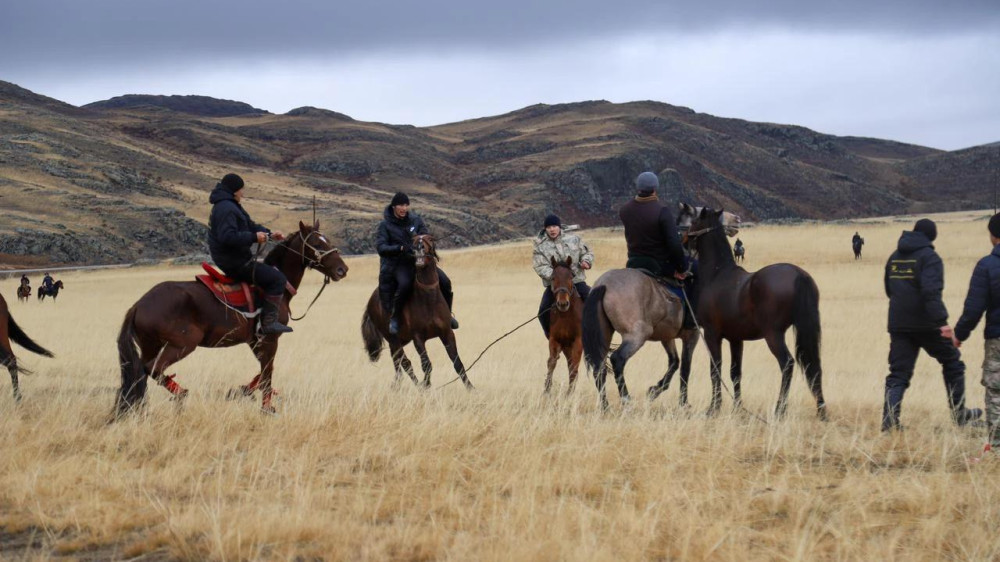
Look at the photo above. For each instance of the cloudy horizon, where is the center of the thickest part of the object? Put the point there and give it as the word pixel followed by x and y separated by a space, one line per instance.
pixel 913 72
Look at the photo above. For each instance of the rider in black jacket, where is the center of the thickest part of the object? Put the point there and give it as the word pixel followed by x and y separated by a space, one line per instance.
pixel 394 243
pixel 230 235
pixel 918 319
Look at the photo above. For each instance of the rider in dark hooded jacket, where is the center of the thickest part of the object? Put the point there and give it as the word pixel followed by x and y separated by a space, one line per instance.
pixel 394 243
pixel 918 319
pixel 231 232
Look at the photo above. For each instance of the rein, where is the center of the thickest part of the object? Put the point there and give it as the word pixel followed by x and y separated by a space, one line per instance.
pixel 308 263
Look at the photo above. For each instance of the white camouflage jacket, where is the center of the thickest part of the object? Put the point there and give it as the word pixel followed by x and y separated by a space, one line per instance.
pixel 565 245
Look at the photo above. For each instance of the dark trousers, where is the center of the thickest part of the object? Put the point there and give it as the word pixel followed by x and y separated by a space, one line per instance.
pixel 903 350
pixel 549 299
pixel 394 286
pixel 267 277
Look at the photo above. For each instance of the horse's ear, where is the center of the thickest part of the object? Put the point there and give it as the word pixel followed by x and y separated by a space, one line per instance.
pixel 704 211
pixel 302 226
pixel 719 213
pixel 316 225
pixel 552 260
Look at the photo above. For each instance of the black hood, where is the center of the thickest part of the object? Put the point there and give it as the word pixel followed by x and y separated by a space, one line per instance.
pixel 220 194
pixel 912 241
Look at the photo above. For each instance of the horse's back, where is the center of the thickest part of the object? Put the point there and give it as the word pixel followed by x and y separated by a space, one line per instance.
pixel 634 300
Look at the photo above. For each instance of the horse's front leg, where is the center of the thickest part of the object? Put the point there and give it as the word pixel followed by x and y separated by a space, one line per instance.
pixel 554 349
pixel 452 347
pixel 573 356
pixel 425 360
pixel 690 339
pixel 714 344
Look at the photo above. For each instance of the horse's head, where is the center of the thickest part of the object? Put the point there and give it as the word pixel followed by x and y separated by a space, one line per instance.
pixel 58 284
pixel 318 253
pixel 686 214
pixel 704 222
pixel 562 283
pixel 425 250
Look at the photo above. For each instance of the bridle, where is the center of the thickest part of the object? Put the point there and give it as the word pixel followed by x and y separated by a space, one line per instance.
pixel 314 263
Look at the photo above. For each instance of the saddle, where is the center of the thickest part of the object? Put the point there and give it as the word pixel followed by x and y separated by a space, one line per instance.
pixel 231 292
pixel 675 286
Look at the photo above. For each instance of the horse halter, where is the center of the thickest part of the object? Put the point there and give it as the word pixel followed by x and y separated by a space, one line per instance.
pixel 419 252
pixel 318 261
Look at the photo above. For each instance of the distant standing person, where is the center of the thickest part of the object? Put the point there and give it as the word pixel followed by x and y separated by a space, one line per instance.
pixel 551 243
pixel 918 319
pixel 984 298
pixel 739 251
pixel 857 242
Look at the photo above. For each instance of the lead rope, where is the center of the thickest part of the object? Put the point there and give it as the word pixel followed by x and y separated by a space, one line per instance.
pixel 469 368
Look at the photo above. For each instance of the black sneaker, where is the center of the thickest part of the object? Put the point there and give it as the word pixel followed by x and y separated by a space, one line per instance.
pixel 967 416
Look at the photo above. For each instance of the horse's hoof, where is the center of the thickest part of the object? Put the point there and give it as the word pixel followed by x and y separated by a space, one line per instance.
pixel 238 393
pixel 469 387
pixel 180 396
pixel 268 411
pixel 653 393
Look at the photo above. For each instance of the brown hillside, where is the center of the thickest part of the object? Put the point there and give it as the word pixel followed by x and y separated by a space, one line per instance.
pixel 120 181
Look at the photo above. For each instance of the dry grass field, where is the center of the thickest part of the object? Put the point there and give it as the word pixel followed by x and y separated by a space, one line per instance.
pixel 352 470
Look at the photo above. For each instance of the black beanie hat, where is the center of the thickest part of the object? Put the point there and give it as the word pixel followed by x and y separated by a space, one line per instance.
pixel 927 228
pixel 552 220
pixel 399 199
pixel 231 183
pixel 995 225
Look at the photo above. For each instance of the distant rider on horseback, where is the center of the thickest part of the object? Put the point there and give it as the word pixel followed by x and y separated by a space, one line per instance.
pixel 651 235
pixel 550 243
pixel 231 232
pixel 47 282
pixel 397 265
pixel 25 282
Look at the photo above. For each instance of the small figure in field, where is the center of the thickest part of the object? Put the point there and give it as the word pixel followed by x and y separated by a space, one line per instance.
pixel 918 319
pixel 394 242
pixel 561 259
pixel 857 242
pixel 231 233
pixel 739 251
pixel 984 298
pixel 24 289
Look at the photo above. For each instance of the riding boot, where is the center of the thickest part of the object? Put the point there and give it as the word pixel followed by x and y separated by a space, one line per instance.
pixel 449 298
pixel 891 409
pixel 269 323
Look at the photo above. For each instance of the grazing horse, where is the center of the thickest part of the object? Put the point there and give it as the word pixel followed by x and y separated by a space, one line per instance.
pixel 425 316
pixel 23 292
pixel 736 305
pixel 565 320
pixel 9 330
pixel 53 292
pixel 175 317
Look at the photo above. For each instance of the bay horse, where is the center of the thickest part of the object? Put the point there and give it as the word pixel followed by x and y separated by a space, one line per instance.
pixel 10 331
pixel 738 306
pixel 565 323
pixel 53 292
pixel 175 317
pixel 23 292
pixel 425 316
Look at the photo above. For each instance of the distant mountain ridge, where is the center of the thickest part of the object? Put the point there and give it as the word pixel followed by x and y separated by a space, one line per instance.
pixel 128 178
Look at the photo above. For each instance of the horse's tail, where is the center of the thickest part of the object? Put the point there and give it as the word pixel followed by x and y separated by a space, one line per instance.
pixel 596 328
pixel 373 339
pixel 805 318
pixel 20 338
pixel 133 390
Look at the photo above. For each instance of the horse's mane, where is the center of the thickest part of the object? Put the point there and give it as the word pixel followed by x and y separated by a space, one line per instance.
pixel 277 253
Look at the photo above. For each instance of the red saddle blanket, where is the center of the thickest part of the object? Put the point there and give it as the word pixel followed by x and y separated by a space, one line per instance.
pixel 232 292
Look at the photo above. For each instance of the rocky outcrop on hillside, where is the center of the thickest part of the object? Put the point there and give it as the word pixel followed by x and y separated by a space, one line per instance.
pixel 203 106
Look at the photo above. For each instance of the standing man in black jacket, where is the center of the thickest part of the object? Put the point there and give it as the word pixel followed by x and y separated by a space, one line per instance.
pixel 397 266
pixel 231 232
pixel 984 298
pixel 918 319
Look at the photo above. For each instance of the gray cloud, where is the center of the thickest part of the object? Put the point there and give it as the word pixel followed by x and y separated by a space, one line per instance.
pixel 85 32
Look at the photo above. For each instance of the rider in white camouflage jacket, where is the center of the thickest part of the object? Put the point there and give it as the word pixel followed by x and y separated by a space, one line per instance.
pixel 550 243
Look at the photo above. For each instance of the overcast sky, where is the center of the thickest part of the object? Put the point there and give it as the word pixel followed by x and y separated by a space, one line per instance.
pixel 920 71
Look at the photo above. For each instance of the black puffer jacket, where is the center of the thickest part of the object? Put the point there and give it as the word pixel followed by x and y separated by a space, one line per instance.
pixel 914 279
pixel 394 240
pixel 983 298
pixel 231 232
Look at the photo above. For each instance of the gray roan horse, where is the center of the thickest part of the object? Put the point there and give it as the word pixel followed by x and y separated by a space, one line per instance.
pixel 641 309
pixel 737 305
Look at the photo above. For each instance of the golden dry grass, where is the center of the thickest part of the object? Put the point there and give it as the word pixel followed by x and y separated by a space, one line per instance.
pixel 353 470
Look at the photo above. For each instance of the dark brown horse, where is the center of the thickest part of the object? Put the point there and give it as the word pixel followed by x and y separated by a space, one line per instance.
pixel 10 331
pixel 425 316
pixel 736 305
pixel 175 317
pixel 43 291
pixel 23 292
pixel 565 323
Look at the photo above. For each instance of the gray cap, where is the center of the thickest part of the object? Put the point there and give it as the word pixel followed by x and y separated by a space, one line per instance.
pixel 647 182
